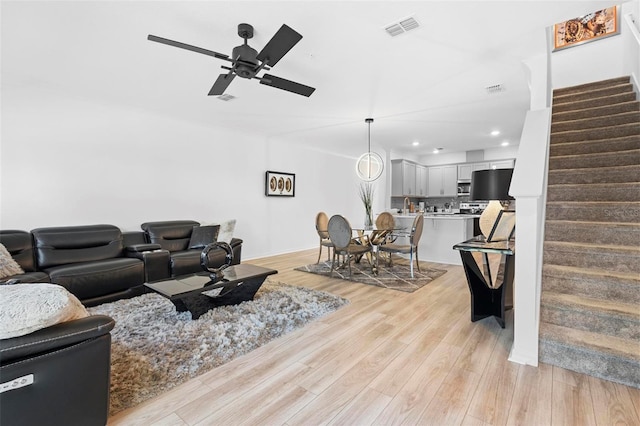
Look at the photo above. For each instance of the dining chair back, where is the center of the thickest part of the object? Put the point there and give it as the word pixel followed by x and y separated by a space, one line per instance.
pixel 322 223
pixel 411 248
pixel 340 233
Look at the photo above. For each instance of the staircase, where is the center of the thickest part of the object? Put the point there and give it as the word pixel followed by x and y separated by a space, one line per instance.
pixel 590 304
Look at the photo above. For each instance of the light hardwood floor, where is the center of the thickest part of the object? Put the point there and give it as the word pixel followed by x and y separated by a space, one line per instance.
pixel 388 358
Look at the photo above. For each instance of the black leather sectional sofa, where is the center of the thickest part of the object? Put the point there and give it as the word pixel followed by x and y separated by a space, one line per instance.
pixel 100 263
pixel 60 375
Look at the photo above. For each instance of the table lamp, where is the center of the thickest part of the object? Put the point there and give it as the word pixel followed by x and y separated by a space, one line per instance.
pixel 493 186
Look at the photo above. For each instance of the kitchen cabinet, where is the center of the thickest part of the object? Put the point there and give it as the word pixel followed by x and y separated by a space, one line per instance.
pixel 422 180
pixel 498 164
pixel 403 178
pixel 464 171
pixel 443 181
pixel 502 164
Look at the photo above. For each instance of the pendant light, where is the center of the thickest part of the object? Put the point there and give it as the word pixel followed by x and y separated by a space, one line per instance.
pixel 370 165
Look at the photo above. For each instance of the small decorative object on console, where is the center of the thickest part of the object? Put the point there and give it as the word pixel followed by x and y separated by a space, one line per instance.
pixel 216 274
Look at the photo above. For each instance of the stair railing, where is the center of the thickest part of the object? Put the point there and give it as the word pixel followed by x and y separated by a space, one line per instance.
pixel 632 60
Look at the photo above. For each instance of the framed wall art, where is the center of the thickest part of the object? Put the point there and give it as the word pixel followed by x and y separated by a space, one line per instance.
pixel 593 26
pixel 279 184
pixel 503 227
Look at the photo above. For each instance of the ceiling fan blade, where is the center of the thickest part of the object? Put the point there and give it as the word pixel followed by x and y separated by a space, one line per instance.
pixel 187 47
pixel 290 86
pixel 279 45
pixel 222 82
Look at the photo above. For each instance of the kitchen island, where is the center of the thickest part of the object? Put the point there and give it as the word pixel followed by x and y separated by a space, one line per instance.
pixel 440 233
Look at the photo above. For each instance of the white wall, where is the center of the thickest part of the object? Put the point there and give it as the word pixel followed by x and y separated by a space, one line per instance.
pixel 67 161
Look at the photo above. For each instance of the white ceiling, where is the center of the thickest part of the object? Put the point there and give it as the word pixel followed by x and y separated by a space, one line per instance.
pixel 427 85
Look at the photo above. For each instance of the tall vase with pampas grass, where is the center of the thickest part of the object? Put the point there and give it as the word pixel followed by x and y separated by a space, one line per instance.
pixel 366 195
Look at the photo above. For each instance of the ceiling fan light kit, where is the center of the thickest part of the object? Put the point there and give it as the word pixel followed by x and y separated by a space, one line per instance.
pixel 246 62
pixel 370 165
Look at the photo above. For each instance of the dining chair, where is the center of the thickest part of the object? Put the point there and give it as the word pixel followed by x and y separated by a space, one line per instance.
pixel 385 224
pixel 411 248
pixel 322 222
pixel 340 233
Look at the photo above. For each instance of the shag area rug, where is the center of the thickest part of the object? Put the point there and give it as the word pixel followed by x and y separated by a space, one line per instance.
pixel 154 348
pixel 397 277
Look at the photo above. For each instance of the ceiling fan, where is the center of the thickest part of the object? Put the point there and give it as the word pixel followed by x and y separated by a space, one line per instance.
pixel 246 62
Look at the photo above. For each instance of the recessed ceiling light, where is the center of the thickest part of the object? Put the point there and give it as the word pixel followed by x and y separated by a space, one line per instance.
pixel 505 143
pixel 415 143
pixel 495 132
pixel 437 150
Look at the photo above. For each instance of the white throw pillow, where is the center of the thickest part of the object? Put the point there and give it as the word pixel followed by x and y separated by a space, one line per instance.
pixel 226 230
pixel 8 266
pixel 25 308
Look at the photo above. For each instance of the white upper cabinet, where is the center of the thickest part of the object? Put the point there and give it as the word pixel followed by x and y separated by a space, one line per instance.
pixel 443 181
pixel 422 181
pixel 403 178
pixel 464 171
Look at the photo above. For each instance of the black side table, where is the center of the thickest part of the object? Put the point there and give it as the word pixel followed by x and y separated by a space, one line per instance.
pixel 488 297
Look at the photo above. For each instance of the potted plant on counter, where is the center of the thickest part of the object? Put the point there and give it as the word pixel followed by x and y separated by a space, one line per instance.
pixel 366 195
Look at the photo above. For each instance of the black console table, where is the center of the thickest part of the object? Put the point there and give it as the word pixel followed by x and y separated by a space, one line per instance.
pixel 489 297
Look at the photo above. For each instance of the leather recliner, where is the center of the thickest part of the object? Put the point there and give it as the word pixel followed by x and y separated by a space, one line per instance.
pixel 89 261
pixel 20 247
pixel 175 237
pixel 59 375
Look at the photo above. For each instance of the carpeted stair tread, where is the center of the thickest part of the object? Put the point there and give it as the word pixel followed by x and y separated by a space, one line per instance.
pixel 624 191
pixel 628 173
pixel 594 283
pixel 597 211
pixel 592 103
pixel 593 256
pixel 600 356
pixel 596 122
pixel 594 306
pixel 621 320
pixel 597 92
pixel 625 234
pixel 591 341
pixel 596 112
pixel 616 131
pixel 600 159
pixel 581 88
pixel 623 143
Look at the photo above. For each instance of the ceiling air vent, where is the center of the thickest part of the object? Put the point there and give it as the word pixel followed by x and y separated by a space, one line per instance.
pixel 401 26
pixel 226 98
pixel 496 88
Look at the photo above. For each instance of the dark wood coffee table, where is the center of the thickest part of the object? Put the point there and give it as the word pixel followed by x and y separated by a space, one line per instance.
pixel 240 283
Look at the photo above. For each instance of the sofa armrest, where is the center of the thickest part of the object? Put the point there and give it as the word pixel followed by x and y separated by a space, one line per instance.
pixel 57 336
pixel 157 262
pixel 139 248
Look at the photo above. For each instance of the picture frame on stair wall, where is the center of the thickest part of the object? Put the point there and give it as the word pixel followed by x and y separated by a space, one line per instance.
pixel 583 29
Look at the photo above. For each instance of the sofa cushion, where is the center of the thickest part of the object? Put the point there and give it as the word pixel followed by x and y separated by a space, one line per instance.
pixel 30 307
pixel 186 262
pixel 201 236
pixel 227 229
pixel 8 266
pixel 93 279
pixel 76 244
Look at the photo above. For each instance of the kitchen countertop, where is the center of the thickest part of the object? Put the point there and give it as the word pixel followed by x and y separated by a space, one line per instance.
pixel 438 215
